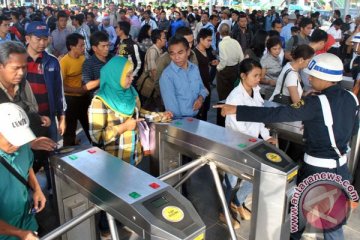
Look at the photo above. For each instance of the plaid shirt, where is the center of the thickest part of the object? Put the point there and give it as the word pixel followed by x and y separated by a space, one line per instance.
pixel 104 130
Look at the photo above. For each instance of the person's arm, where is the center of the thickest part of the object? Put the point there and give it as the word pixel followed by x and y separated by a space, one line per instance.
pixel 168 91
pixel 222 58
pixel 304 111
pixel 9 230
pixel 88 81
pixel 30 98
pixel 137 58
pixel 288 48
pixel 294 95
pixel 38 196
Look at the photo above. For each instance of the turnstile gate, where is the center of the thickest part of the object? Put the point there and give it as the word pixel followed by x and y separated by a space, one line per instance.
pixel 271 171
pixel 150 207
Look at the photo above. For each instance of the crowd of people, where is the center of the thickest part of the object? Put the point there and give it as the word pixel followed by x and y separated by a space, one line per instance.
pixel 103 67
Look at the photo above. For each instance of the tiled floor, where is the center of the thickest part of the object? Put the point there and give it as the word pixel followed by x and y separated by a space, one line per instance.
pixel 203 195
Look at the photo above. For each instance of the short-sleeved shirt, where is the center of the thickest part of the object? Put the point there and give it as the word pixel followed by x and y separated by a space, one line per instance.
pixel 91 70
pixel 336 34
pixel 289 44
pixel 272 65
pixel 71 70
pixel 291 80
pixel 14 195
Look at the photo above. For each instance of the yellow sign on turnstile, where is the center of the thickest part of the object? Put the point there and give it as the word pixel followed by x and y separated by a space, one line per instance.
pixel 200 237
pixel 173 213
pixel 273 157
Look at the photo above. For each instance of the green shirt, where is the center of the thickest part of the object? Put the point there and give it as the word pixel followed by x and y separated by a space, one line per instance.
pixel 14 196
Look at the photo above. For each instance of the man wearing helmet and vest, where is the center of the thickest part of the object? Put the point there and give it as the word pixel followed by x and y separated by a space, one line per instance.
pixel 329 119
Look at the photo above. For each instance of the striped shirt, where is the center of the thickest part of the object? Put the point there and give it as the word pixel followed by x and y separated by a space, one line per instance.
pixel 35 76
pixel 91 70
pixel 104 130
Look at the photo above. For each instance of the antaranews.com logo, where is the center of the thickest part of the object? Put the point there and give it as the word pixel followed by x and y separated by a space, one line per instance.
pixel 321 200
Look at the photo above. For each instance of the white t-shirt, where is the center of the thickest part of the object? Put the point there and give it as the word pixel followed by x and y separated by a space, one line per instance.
pixel 292 80
pixel 336 34
pixel 239 96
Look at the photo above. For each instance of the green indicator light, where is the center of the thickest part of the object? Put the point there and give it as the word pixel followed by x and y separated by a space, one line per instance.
pixel 242 145
pixel 73 157
pixel 178 123
pixel 134 195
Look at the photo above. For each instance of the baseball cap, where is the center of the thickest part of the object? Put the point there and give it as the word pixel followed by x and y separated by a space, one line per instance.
pixel 292 16
pixel 327 67
pixel 38 29
pixel 14 124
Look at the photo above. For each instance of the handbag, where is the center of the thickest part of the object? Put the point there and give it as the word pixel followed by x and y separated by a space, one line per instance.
pixel 280 97
pixel 14 172
pixel 145 85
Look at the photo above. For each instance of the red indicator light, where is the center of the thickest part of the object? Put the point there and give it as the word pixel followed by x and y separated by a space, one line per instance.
pixel 252 139
pixel 154 185
pixel 91 151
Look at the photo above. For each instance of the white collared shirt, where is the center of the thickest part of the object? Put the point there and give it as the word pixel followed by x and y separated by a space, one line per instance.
pixel 230 53
pixel 239 96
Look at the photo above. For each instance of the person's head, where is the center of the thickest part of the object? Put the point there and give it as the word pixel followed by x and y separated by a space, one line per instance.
pixel 123 29
pixel 292 18
pixel 235 16
pixel 205 18
pixel 90 18
pixel 177 15
pixel 337 13
pixel 302 55
pixel 147 14
pixel 4 25
pixel 242 21
pixel 187 34
pixel 214 19
pixel 13 63
pixel 324 70
pixel 250 72
pixel 144 33
pixel 37 34
pixel 204 37
pixel 62 19
pixel 112 6
pixel 305 26
pixel 14 128
pixel 294 31
pixel 318 39
pixel 75 44
pixel 258 42
pixel 179 50
pixel 158 37
pixel 48 11
pixel 337 23
pixel 273 45
pixel 162 15
pixel 78 20
pixel 285 18
pixel 130 12
pixel 225 14
pixel 105 21
pixel 99 42
pixel 15 16
pixel 356 43
pixel 224 30
pixel 31 9
pixel 276 25
pixel 348 18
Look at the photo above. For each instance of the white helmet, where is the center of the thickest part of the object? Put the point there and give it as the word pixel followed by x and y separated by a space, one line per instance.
pixel 326 67
pixel 356 38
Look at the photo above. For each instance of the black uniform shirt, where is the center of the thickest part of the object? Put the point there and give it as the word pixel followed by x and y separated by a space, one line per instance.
pixel 317 142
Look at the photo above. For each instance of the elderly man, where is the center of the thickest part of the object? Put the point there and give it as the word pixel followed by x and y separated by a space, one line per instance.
pixel 17 220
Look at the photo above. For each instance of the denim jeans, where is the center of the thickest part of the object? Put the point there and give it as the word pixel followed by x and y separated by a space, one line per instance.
pixel 245 189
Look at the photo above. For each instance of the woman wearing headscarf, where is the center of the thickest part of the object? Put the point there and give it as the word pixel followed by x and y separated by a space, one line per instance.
pixel 112 110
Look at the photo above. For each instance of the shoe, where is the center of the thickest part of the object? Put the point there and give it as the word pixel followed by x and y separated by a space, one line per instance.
pixel 245 214
pixel 235 223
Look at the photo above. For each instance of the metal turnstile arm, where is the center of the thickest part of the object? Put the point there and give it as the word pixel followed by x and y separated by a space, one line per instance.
pixel 220 192
pixel 192 164
pixel 71 224
pixel 112 226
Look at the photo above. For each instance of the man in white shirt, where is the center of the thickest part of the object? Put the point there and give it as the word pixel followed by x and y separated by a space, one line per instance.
pixel 230 55
pixel 335 31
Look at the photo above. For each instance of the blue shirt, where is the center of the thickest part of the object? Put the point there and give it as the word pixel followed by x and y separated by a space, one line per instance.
pixel 8 38
pixel 175 25
pixel 286 31
pixel 180 88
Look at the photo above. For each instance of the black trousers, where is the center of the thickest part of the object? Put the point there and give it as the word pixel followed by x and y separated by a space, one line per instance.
pixel 77 108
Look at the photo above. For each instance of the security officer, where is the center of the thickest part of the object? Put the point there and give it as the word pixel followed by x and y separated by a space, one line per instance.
pixel 326 141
